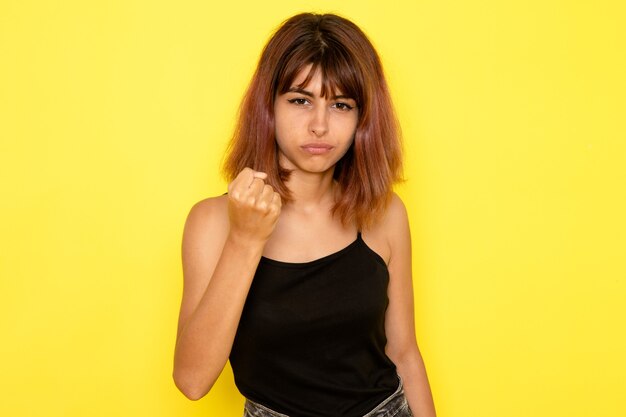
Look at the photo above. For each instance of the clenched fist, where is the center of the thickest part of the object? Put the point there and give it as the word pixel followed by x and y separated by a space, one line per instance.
pixel 253 206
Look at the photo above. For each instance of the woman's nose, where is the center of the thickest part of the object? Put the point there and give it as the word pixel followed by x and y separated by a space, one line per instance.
pixel 318 124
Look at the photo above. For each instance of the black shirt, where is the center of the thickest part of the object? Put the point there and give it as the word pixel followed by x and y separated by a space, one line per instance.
pixel 311 339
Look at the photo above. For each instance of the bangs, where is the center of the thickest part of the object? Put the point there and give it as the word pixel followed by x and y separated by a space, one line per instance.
pixel 339 76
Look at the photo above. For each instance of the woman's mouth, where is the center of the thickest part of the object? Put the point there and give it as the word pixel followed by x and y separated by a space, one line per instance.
pixel 317 148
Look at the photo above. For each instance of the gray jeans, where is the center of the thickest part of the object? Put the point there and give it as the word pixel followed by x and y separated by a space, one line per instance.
pixel 393 406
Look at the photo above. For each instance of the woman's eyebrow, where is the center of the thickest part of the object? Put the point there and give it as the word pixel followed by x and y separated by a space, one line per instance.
pixel 310 94
pixel 300 91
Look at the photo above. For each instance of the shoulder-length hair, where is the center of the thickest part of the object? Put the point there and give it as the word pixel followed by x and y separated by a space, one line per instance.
pixel 348 63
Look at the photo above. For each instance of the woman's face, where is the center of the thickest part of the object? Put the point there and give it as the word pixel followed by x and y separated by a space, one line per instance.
pixel 313 132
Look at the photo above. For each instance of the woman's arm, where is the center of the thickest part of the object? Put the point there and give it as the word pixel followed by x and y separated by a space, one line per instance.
pixel 223 241
pixel 399 321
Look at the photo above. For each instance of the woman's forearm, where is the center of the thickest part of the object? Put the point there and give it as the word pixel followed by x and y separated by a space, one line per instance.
pixel 410 367
pixel 205 341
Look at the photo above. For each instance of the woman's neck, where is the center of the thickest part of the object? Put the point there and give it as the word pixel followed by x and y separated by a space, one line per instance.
pixel 310 191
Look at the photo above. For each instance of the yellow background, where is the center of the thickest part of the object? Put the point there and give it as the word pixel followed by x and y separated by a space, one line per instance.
pixel 113 119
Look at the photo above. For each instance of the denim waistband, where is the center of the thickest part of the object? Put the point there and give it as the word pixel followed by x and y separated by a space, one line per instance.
pixel 393 406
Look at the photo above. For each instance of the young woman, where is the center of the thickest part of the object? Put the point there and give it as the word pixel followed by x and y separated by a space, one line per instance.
pixel 301 273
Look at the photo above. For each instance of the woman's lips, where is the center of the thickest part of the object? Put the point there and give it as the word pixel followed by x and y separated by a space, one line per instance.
pixel 317 148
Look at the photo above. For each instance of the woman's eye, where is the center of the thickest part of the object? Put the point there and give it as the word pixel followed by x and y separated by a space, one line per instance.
pixel 343 106
pixel 298 101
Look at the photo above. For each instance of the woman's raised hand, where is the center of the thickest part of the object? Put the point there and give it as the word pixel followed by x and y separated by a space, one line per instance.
pixel 253 206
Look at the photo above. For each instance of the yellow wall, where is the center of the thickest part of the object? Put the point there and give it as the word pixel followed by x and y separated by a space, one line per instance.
pixel 113 119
